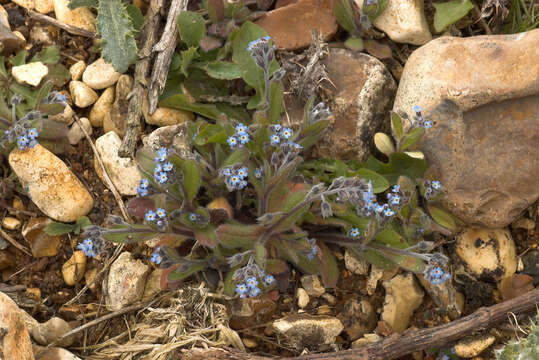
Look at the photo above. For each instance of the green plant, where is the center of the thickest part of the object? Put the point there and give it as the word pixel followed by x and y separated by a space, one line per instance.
pixel 278 218
pixel 355 21
pixel 117 22
pixel 60 228
pixel 450 12
pixel 522 17
pixel 523 348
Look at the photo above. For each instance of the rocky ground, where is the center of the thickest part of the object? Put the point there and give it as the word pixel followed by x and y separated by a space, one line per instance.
pixel 482 92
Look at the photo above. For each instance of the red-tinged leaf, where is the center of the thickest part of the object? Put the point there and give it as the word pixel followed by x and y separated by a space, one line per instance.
pixel 139 206
pixel 238 235
pixel 276 266
pixel 130 234
pixel 206 236
pixel 330 269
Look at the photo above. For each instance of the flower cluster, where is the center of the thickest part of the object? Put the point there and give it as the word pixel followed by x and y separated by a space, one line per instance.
pixel 419 120
pixel 262 52
pixel 240 138
pixel 143 187
pixel 162 169
pixel 281 135
pixel 354 232
pixel 159 217
pixel 432 188
pixel 251 285
pixel 319 112
pixel 235 179
pixel 91 247
pixel 156 256
pixel 314 249
pixel 433 271
pixel 24 135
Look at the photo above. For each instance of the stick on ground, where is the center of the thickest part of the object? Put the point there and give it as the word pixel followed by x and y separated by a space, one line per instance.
pixel 69 28
pixel 401 344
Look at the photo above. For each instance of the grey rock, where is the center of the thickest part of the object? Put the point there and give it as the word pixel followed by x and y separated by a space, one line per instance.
pixel 75 134
pixel 312 285
pixel 52 329
pixel 306 331
pixel 126 282
pixel 116 119
pixel 174 136
pixel 358 318
pixel 361 94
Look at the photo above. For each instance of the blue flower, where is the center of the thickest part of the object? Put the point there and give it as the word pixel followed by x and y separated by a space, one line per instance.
pixel 162 177
pixel 242 184
pixel 192 217
pixel 234 180
pixel 156 258
pixel 378 208
pixel 61 97
pixel 141 191
pixel 287 132
pixel 295 145
pixel 436 185
pixel 241 129
pixel 254 292
pixel 226 172
pixel 354 232
pixel 277 127
pixel 157 169
pixel 269 279
pixel 22 141
pixel 395 200
pixel 427 124
pixel 418 109
pixel 396 188
pixel 389 212
pixel 232 141
pixel 144 183
pixel 32 133
pixel 242 172
pixel 241 289
pixel 313 252
pixel 167 166
pixel 87 247
pixel 161 213
pixel 275 139
pixel 150 216
pixel 32 143
pixel 258 173
pixel 161 155
pixel 252 282
pixel 244 138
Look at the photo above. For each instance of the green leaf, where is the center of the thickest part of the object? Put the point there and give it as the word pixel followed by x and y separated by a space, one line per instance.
pixel 191 178
pixel 330 269
pixel 238 235
pixel 186 268
pixel 210 134
pixel 354 43
pixel 379 183
pixel 19 59
pixel 260 255
pixel 117 32
pixel 58 75
pixel 396 121
pixel 450 12
pixel 73 4
pixel 55 228
pixel 411 138
pixel 49 55
pixel 239 156
pixel 276 100
pixel 191 28
pixel 82 222
pixel 223 70
pixel 216 10
pixel 276 266
pixel 137 19
pixel 187 57
pixel 181 102
pixel 206 236
pixel 443 218
pixel 344 15
pixel 130 233
pixel 399 164
pixel 375 9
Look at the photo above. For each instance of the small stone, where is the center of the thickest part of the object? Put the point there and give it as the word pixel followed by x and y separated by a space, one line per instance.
pixel 126 282
pixel 358 318
pixel 81 17
pixel 75 134
pixel 303 298
pixel 9 42
pixel 307 15
pixel 174 137
pixel 44 6
pixel 77 69
pixel 372 281
pixel 360 98
pixel 33 293
pixel 167 116
pixel 403 296
pixel 67 116
pixel 15 341
pixel 89 277
pixel 52 329
pixel 312 285
pixel 100 74
pixel 366 340
pixel 41 35
pixel 30 74
pixel 403 21
pixel 11 223
pixel 123 172
pixel 50 184
pixel 306 331
pixel 355 266
pixel 102 106
pixel 524 223
pixel 489 254
pixel 56 353
pixel 473 346
pixel 249 343
pixel 251 311
pixel 153 285
pixel 115 120
pixel 41 243
pixel 83 96
pixel 71 273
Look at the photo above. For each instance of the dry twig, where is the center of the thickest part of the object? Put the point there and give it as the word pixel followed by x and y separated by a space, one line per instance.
pixel 69 28
pixel 14 242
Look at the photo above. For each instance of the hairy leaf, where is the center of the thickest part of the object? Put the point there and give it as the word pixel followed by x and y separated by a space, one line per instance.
pixel 396 121
pixel 117 32
pixel 379 183
pixel 411 138
pixel 354 43
pixel 450 12
pixel 49 55
pixel 55 228
pixel 137 19
pixel 344 14
pixel 191 178
pixel 191 28
pixel 223 70
pixel 443 218
pixel 238 235
pixel 73 4
pixel 399 164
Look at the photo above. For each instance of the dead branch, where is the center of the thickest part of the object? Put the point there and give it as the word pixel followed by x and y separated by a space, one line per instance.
pixel 148 38
pixel 165 48
pixel 401 344
pixel 69 28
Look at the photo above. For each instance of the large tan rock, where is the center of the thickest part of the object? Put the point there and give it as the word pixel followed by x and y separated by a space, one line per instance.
pixel 31 73
pixel 482 95
pixel 307 331
pixel 291 26
pixel 15 343
pixel 403 296
pixel 81 17
pixel 360 98
pixel 126 282
pixel 50 184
